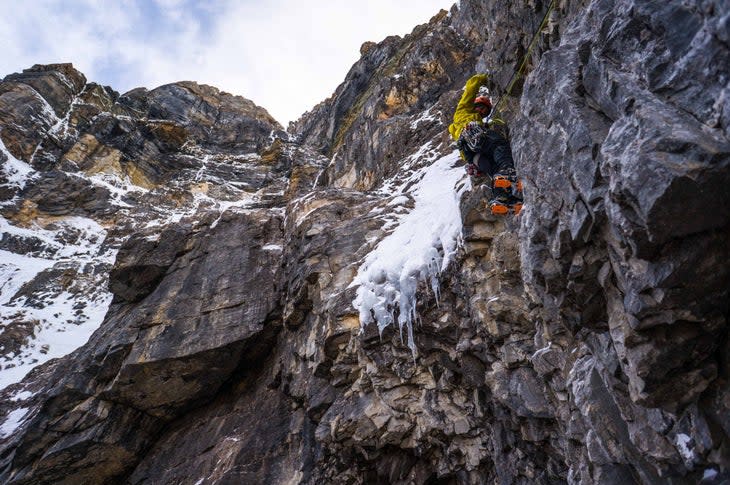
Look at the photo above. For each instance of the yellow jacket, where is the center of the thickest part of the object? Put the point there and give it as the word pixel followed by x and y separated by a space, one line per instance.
pixel 465 112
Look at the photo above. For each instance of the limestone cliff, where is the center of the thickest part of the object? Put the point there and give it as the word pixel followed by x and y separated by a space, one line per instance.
pixel 333 304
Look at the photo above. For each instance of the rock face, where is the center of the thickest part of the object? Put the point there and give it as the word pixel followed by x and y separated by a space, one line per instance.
pixel 584 342
pixel 103 167
pixel 637 289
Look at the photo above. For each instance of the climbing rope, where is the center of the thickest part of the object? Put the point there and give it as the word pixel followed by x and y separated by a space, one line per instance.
pixel 518 72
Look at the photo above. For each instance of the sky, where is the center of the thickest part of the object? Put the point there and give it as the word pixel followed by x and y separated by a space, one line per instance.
pixel 284 55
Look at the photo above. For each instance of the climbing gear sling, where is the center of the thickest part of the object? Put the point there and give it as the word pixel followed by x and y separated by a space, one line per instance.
pixel 507 187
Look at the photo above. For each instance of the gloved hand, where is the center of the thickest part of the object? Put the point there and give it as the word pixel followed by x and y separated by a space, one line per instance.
pixel 473 171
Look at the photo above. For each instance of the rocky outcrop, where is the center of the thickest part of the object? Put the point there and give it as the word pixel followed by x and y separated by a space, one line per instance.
pixel 33 101
pixel 635 298
pixel 106 385
pixel 400 93
pixel 101 169
pixel 211 117
pixel 583 342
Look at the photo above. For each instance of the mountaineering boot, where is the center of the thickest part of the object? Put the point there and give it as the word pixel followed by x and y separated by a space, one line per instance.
pixel 511 187
pixel 504 182
pixel 500 202
pixel 507 194
pixel 498 207
pixel 508 180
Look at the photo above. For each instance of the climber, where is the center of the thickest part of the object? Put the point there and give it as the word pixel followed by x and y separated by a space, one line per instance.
pixel 484 149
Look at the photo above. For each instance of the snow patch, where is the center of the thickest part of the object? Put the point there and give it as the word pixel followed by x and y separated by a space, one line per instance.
pixel 16 270
pixel 62 124
pixel 683 443
pixel 118 187
pixel 409 173
pixel 60 330
pixel 202 200
pixel 16 172
pixel 61 318
pixel 47 111
pixel 22 396
pixel 709 474
pixel 223 206
pixel 425 117
pixel 324 169
pixel 418 249
pixel 13 420
pixel 399 200
pixel 203 166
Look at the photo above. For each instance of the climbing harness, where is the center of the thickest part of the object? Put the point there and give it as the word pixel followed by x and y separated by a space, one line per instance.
pixel 518 72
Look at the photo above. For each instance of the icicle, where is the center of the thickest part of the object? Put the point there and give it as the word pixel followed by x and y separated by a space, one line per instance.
pixel 417 250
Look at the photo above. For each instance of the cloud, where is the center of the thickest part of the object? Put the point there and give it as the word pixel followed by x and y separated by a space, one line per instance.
pixel 285 55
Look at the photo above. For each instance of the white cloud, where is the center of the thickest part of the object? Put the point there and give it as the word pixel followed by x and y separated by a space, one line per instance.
pixel 285 55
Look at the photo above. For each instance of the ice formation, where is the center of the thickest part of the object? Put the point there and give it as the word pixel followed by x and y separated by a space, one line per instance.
pixel 419 248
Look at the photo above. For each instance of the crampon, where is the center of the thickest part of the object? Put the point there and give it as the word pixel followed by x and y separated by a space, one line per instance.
pixel 500 208
pixel 507 191
pixel 511 183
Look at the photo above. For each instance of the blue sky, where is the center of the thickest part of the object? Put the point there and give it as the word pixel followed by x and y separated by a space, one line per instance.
pixel 285 55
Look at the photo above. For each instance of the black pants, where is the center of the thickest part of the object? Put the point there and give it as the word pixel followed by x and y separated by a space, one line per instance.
pixel 494 156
